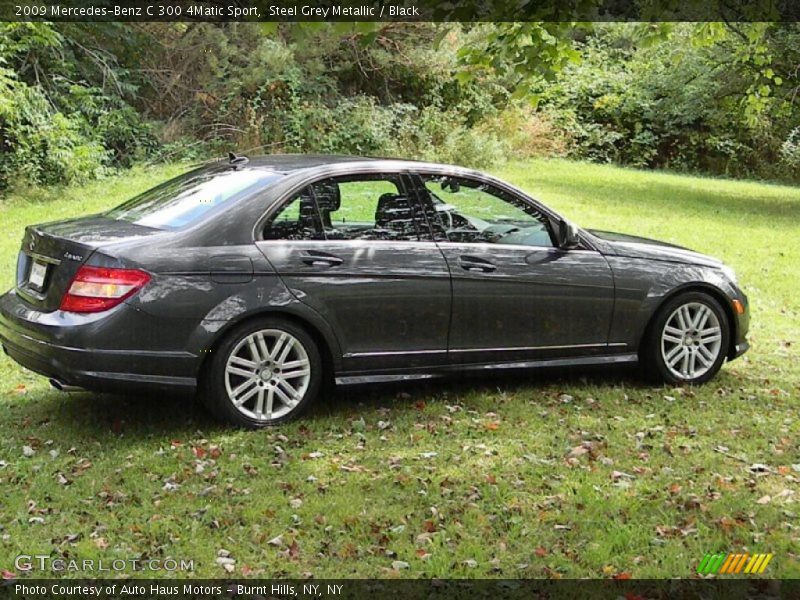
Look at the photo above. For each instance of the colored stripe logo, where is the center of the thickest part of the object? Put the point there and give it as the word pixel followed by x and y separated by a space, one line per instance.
pixel 750 564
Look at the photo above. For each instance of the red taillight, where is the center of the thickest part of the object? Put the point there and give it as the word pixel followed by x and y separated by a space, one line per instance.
pixel 95 289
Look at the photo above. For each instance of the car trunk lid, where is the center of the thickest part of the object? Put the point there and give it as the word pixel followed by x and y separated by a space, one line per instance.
pixel 52 253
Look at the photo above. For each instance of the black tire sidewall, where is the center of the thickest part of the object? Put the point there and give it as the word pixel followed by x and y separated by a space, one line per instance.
pixel 215 394
pixel 655 362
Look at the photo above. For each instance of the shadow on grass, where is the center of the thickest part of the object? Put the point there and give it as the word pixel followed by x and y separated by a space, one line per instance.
pixel 151 415
pixel 354 397
pixel 135 418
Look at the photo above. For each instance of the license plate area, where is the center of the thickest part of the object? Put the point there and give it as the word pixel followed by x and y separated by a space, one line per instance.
pixel 37 275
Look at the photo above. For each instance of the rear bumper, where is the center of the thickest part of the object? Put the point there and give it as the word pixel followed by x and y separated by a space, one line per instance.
pixel 85 350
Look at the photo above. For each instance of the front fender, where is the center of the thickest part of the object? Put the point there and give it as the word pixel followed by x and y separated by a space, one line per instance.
pixel 643 285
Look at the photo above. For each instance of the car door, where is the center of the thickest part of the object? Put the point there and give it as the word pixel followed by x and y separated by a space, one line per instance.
pixel 516 296
pixel 358 251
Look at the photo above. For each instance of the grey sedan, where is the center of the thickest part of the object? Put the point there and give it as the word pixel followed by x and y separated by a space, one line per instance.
pixel 257 281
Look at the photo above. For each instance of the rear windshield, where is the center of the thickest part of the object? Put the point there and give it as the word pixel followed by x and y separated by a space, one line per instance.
pixel 185 199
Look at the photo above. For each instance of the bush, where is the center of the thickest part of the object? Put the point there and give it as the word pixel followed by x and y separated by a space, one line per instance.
pixel 526 133
pixel 42 145
pixel 790 151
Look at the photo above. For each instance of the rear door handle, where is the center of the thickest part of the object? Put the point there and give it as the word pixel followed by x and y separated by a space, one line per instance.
pixel 321 259
pixel 473 263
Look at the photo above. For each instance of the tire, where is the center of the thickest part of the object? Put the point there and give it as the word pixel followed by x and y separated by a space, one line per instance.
pixel 252 390
pixel 676 350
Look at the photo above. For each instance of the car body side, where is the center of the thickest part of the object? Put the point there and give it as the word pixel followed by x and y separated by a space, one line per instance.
pixel 212 276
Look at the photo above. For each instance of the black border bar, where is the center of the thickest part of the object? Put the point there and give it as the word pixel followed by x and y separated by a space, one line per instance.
pixel 405 589
pixel 400 10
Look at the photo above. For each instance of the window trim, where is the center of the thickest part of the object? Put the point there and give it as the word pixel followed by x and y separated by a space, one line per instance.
pixel 407 186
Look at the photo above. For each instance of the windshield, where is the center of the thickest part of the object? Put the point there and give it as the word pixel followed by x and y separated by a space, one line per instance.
pixel 185 199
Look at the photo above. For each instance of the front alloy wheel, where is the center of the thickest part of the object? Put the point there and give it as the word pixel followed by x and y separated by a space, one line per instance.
pixel 687 340
pixel 691 340
pixel 263 373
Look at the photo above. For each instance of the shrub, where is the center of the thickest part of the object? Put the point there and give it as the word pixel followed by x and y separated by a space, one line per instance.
pixel 40 144
pixel 790 151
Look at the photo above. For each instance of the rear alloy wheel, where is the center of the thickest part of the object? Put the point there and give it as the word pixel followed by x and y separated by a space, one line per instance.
pixel 265 373
pixel 688 339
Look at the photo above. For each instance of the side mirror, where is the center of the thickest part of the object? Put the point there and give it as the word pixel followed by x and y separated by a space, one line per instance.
pixel 567 235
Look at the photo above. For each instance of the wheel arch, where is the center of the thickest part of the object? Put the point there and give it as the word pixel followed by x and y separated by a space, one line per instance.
pixel 697 286
pixel 326 343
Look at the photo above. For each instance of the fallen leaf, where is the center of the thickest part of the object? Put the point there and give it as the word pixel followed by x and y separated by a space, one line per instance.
pixel 540 552
pixel 764 500
pixel 101 543
pixel 579 451
pixel 399 564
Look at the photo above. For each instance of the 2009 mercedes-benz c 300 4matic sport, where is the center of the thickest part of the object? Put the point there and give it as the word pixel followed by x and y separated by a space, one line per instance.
pixel 256 281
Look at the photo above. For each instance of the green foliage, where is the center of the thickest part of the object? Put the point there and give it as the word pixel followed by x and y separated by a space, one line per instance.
pixel 56 127
pixel 80 99
pixel 702 100
pixel 40 144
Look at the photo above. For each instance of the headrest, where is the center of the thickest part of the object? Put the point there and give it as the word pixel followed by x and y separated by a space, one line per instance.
pixel 328 196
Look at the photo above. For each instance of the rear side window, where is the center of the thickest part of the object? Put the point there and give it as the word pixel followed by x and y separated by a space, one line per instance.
pixel 185 199
pixel 360 207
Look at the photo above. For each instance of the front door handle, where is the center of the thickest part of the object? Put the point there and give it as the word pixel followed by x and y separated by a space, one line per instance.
pixel 321 259
pixel 473 263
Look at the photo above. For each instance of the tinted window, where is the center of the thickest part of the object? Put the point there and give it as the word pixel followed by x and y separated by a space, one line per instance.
pixel 464 210
pixel 183 200
pixel 365 207
pixel 298 219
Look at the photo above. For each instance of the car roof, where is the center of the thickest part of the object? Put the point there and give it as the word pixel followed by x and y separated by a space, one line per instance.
pixel 286 163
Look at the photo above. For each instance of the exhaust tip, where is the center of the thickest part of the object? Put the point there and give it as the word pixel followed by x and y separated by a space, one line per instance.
pixel 64 387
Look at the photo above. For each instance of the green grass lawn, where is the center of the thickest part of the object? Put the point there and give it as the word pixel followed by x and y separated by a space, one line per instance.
pixel 568 474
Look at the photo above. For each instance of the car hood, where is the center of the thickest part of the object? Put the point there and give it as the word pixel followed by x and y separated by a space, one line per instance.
pixel 639 247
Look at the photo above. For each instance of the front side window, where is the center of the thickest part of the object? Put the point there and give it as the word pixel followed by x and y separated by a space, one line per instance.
pixel 363 207
pixel 469 211
pixel 185 199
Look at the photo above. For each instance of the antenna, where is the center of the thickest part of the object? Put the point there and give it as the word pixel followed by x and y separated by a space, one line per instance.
pixel 237 161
